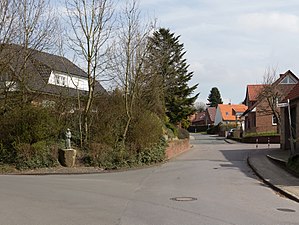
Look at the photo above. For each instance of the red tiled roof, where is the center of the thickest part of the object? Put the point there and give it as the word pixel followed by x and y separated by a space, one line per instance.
pixel 253 91
pixel 200 116
pixel 228 112
pixel 211 112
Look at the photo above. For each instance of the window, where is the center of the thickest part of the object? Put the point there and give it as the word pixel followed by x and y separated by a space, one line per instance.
pixel 63 81
pixel 60 80
pixel 288 80
pixel 57 79
pixel 274 120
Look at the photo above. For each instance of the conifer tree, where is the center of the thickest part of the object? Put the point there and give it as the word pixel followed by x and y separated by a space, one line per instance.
pixel 168 65
pixel 214 97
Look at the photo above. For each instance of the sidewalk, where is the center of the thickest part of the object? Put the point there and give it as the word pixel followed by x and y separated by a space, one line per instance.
pixel 274 175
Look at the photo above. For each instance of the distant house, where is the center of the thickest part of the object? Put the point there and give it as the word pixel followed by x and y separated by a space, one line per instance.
pixel 206 118
pixel 210 115
pixel 259 117
pixel 42 74
pixel 199 119
pixel 228 113
pixel 293 97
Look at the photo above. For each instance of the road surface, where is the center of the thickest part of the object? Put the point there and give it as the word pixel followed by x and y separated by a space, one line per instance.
pixel 210 184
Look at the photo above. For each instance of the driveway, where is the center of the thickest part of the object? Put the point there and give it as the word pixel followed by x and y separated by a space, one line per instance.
pixel 210 184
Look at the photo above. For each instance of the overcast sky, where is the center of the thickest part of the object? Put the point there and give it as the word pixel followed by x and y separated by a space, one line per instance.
pixel 230 43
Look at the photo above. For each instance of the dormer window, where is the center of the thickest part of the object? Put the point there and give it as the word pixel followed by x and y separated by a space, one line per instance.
pixel 67 80
pixel 288 80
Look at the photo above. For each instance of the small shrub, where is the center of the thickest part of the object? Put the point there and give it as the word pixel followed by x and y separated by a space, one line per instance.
pixel 37 155
pixel 173 128
pixel 155 154
pixel 28 125
pixel 7 155
pixel 182 133
pixel 5 168
pixel 145 130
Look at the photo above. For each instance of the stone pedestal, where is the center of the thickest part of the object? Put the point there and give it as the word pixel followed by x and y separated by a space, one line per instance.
pixel 67 157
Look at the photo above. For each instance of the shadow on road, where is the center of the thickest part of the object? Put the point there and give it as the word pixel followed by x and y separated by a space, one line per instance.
pixel 238 160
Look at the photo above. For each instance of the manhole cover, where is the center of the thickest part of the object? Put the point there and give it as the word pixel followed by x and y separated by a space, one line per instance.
pixel 286 210
pixel 183 199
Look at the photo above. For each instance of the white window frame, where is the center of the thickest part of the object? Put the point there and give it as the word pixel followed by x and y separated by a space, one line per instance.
pixel 273 120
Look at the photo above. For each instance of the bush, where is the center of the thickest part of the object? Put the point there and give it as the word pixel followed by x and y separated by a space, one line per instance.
pixel 100 155
pixel 173 128
pixel 38 155
pixel 108 158
pixel 145 130
pixel 28 124
pixel 27 136
pixel 182 133
pixel 154 154
pixel 109 122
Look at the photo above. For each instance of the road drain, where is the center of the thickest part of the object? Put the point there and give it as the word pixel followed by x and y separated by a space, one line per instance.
pixel 183 199
pixel 286 210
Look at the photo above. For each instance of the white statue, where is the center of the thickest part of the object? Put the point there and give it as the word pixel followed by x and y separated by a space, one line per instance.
pixel 68 136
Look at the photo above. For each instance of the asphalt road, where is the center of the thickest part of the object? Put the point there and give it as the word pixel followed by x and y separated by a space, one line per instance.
pixel 212 181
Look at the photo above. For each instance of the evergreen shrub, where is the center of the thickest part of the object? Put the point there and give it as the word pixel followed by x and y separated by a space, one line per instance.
pixel 28 136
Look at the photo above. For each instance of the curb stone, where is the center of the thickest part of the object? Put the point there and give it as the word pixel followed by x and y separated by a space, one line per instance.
pixel 272 186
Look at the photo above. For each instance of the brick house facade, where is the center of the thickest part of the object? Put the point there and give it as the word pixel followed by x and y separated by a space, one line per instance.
pixel 259 117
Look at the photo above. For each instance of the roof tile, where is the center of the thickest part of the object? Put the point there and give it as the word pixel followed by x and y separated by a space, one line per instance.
pixel 228 112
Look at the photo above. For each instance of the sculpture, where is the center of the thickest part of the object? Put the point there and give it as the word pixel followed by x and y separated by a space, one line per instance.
pixel 68 136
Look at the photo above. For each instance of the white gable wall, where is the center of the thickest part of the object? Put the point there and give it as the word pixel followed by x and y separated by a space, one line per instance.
pixel 69 81
pixel 218 117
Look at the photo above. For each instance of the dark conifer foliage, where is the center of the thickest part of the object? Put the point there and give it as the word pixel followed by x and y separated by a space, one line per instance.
pixel 214 97
pixel 168 64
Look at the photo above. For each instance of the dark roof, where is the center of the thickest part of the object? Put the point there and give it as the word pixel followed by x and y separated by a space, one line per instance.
pixel 211 113
pixel 294 94
pixel 39 66
pixel 200 116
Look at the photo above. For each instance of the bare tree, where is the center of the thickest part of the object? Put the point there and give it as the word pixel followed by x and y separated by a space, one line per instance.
pixel 31 25
pixel 7 17
pixel 200 106
pixel 91 23
pixel 130 57
pixel 37 23
pixel 271 95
